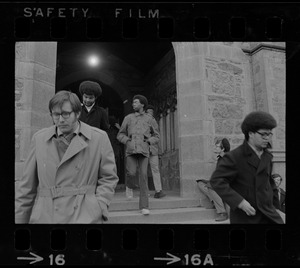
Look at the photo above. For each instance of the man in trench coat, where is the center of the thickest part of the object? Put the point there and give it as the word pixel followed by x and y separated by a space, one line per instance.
pixel 70 172
pixel 243 176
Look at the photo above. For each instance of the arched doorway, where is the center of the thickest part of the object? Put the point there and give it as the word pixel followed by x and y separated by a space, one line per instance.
pixel 127 69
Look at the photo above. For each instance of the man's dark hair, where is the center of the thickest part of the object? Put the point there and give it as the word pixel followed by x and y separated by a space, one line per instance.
pixel 224 144
pixel 142 99
pixel 256 121
pixel 276 175
pixel 90 88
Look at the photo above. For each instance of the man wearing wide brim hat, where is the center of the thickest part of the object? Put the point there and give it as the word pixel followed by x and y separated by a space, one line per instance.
pixel 92 114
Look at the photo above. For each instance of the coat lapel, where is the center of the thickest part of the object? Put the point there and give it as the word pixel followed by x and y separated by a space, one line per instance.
pixel 52 153
pixel 252 158
pixel 77 144
pixel 264 161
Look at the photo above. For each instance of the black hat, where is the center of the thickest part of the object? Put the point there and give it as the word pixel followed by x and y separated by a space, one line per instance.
pixel 90 88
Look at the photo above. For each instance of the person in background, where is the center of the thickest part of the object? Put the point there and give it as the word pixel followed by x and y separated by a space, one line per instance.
pixel 222 146
pixel 92 114
pixel 243 177
pixel 154 161
pixel 138 131
pixel 281 193
pixel 112 132
pixel 70 172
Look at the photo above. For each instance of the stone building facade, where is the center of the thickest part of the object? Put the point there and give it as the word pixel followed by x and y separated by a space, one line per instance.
pixel 201 91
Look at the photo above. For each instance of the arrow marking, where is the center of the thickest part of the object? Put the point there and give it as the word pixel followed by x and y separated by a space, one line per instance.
pixel 34 259
pixel 171 260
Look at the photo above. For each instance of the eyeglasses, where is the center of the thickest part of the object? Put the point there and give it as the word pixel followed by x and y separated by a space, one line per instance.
pixel 65 115
pixel 265 135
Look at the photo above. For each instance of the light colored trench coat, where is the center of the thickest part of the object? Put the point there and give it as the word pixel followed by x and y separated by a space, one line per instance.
pixel 77 189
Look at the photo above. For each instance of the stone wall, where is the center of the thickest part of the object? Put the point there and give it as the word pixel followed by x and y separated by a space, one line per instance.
pixel 269 76
pixel 218 84
pixel 35 67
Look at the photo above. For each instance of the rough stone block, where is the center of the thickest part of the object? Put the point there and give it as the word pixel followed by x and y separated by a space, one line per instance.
pixel 42 52
pixel 191 107
pixel 219 51
pixel 191 127
pixel 224 126
pixel 24 143
pixel 189 69
pixel 23 69
pixel 195 87
pixel 44 74
pixel 18 170
pixel 23 118
pixel 197 169
pixel 43 92
pixel 188 188
pixel 192 148
pixel 40 119
pixel 25 101
pixel 20 50
pixel 193 49
pixel 239 55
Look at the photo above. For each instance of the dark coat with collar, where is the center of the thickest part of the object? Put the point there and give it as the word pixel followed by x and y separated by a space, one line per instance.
pixel 96 117
pixel 239 175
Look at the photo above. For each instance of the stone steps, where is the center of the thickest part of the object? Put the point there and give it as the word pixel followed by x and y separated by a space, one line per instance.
pixel 195 215
pixel 171 200
pixel 171 209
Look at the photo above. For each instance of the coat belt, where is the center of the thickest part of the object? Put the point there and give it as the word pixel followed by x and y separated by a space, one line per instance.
pixel 55 192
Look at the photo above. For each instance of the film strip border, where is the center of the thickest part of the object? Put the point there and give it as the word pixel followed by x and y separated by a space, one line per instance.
pixel 144 21
pixel 165 28
pixel 187 245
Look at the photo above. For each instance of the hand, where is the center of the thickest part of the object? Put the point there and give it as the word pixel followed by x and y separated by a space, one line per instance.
pixel 247 208
pixel 104 211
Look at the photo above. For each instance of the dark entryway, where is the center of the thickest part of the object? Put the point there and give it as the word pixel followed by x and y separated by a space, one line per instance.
pixel 122 73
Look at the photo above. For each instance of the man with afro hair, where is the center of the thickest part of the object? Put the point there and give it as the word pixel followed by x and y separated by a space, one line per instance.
pixel 92 114
pixel 243 176
pixel 138 131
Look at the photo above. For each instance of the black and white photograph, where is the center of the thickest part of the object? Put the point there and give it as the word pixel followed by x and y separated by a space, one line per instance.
pixel 150 132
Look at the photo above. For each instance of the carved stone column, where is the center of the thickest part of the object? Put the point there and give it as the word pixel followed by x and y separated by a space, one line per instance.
pixel 35 68
pixel 214 93
pixel 269 87
pixel 269 75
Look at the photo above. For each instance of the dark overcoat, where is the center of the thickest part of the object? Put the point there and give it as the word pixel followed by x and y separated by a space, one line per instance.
pixel 240 174
pixel 96 117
